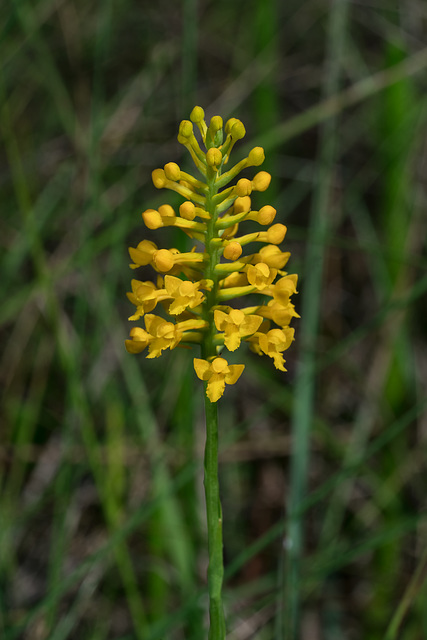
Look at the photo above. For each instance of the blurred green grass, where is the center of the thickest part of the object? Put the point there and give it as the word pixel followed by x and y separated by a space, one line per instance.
pixel 102 517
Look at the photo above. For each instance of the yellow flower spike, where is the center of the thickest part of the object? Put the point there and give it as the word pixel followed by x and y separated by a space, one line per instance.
pixel 236 325
pixel 217 374
pixel 261 181
pixel 233 251
pixel 260 275
pixel 185 294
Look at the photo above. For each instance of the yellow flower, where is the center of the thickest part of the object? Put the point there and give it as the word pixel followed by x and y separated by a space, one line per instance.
pixel 140 340
pixel 143 254
pixel 274 342
pixel 235 325
pixel 184 293
pixel 217 374
pixel 164 335
pixel 144 296
pixel 260 275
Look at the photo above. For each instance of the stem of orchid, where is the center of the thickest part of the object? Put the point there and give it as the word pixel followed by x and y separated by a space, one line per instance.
pixel 214 517
pixel 211 481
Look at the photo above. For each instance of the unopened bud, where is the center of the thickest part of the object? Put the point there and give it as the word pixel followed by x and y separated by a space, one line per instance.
pixel 238 130
pixel 256 156
pixel 172 171
pixel 276 233
pixel 214 157
pixel 166 211
pixel 243 187
pixel 152 219
pixel 185 129
pixel 187 210
pixel 163 259
pixel 197 115
pixel 266 214
pixel 242 204
pixel 159 178
pixel 232 251
pixel 261 181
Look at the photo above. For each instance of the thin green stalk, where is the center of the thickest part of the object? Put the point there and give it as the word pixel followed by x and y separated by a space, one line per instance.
pixel 214 517
pixel 213 504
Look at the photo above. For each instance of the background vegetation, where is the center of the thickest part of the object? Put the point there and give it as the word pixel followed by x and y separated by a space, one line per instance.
pixel 102 532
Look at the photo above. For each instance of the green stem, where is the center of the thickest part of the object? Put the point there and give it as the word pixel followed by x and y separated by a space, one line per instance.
pixel 214 517
pixel 213 504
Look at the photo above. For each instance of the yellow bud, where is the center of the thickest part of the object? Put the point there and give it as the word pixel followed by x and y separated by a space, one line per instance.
pixel 238 130
pixel 266 214
pixel 163 259
pixel 276 233
pixel 243 187
pixel 185 129
pixel 187 210
pixel 214 157
pixel 232 251
pixel 152 219
pixel 256 156
pixel 215 124
pixel 172 171
pixel 166 211
pixel 159 178
pixel 242 204
pixel 261 181
pixel 229 124
pixel 197 115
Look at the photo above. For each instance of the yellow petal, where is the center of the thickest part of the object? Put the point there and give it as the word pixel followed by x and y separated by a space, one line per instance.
pixel 216 386
pixel 236 371
pixel 220 319
pixel 202 368
pixel 250 325
pixel 232 338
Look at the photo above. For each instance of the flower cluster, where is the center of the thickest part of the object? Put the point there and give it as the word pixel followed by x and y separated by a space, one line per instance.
pixel 195 288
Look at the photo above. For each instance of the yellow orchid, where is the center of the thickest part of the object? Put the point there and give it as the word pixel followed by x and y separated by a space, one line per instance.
pixel 185 294
pixel 217 374
pixel 261 275
pixel 211 213
pixel 235 325
pixel 144 296
pixel 274 342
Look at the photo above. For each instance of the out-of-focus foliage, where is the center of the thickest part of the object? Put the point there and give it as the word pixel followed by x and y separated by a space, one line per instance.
pixel 102 531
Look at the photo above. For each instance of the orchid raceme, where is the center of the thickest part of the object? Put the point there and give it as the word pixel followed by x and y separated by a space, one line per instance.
pixel 215 295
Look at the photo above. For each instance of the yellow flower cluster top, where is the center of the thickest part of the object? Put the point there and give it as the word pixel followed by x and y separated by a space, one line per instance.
pixel 196 288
